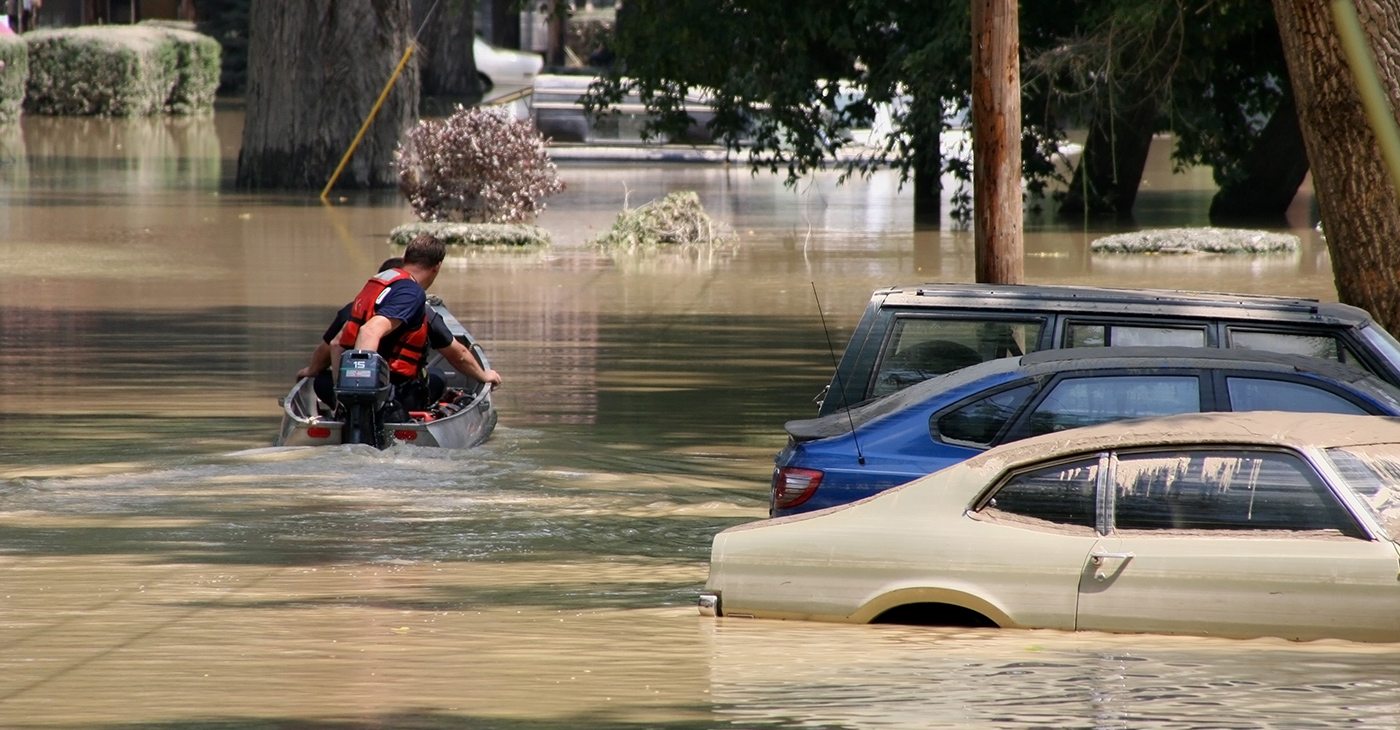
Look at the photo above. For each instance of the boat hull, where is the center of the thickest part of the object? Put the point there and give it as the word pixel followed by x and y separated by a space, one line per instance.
pixel 303 425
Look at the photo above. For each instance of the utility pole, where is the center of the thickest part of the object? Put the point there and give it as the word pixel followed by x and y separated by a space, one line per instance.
pixel 996 142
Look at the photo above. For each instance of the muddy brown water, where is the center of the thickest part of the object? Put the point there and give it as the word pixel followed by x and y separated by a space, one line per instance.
pixel 163 568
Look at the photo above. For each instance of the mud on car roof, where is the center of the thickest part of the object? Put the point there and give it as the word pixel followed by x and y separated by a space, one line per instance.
pixel 1097 299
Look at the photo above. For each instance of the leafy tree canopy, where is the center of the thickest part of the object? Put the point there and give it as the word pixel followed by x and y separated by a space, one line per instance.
pixel 787 82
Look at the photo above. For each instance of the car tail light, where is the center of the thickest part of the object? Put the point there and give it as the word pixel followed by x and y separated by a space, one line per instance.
pixel 793 486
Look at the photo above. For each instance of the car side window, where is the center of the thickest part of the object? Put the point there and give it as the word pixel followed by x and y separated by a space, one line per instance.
pixel 980 421
pixel 1224 490
pixel 919 348
pixel 1076 402
pixel 1091 334
pixel 1263 394
pixel 1326 347
pixel 1062 494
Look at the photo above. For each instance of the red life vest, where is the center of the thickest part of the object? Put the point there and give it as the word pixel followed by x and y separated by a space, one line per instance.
pixel 407 355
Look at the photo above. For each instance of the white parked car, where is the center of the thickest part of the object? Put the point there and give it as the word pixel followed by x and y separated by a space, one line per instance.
pixel 505 67
pixel 1226 524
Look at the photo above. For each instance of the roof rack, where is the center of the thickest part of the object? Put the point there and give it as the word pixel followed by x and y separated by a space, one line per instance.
pixel 1092 295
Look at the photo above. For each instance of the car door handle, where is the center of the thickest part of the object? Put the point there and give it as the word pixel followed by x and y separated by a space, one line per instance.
pixel 1098 558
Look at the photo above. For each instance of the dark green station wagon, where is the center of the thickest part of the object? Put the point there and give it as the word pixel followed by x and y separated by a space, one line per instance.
pixel 911 333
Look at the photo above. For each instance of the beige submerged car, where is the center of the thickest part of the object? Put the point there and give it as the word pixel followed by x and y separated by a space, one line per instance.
pixel 1225 524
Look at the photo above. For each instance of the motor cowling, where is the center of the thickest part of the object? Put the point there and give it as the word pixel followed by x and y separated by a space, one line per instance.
pixel 362 388
pixel 363 378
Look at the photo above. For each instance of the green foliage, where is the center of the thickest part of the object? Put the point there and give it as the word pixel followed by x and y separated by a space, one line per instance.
pixel 14 54
pixel 788 86
pixel 677 219
pixel 479 165
pixel 227 22
pixel 789 82
pixel 1214 67
pixel 197 64
pixel 120 71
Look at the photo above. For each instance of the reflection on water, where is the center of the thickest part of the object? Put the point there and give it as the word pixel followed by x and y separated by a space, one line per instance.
pixel 899 677
pixel 165 569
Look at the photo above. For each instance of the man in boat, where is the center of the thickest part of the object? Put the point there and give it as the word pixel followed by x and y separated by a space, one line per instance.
pixel 406 348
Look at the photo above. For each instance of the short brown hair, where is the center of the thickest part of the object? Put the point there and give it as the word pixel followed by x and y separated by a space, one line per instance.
pixel 425 250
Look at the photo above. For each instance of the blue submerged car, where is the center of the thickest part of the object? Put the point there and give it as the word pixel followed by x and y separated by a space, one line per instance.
pixel 849 455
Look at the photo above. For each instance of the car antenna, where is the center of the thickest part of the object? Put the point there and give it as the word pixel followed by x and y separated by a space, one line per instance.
pixel 860 458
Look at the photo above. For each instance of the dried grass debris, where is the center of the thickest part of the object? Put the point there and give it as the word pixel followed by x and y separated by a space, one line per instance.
pixel 675 220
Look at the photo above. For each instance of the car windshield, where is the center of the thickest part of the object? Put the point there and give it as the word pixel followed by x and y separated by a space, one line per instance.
pixel 1372 472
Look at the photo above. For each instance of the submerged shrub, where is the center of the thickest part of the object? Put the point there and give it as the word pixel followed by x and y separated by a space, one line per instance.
pixel 120 71
pixel 14 55
pixel 479 165
pixel 505 235
pixel 676 219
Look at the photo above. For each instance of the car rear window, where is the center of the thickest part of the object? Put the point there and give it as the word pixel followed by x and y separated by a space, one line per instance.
pixel 918 348
pixel 980 421
pixel 1062 494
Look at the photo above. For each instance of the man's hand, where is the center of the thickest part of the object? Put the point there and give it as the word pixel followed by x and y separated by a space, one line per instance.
pixel 462 359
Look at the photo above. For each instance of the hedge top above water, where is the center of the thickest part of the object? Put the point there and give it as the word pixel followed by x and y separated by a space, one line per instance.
pixel 14 54
pixel 121 70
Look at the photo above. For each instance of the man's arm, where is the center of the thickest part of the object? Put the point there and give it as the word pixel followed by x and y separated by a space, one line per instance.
pixel 373 331
pixel 459 357
pixel 320 360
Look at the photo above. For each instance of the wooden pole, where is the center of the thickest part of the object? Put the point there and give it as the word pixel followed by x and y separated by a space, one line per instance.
pixel 996 142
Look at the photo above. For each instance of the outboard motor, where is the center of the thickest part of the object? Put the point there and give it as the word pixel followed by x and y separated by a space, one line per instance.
pixel 362 389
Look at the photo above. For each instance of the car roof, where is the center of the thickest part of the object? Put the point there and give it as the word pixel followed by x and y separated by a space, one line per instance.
pixel 1049 362
pixel 1084 299
pixel 1247 428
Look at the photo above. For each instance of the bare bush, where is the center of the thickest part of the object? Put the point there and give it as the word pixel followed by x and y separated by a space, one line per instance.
pixel 477 166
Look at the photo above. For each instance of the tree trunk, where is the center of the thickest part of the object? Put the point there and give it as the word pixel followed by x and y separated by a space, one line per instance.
pixel 928 178
pixel 996 142
pixel 1274 168
pixel 446 64
pixel 558 31
pixel 505 24
pixel 1360 208
pixel 1114 157
pixel 315 70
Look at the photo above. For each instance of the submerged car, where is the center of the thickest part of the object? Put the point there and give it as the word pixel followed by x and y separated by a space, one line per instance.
pixel 911 333
pixel 1226 524
pixel 853 454
pixel 503 66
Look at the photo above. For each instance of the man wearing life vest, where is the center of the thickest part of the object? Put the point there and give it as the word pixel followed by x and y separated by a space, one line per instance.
pixel 390 316
pixel 440 338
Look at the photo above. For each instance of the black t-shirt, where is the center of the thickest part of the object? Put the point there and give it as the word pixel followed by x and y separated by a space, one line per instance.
pixel 439 336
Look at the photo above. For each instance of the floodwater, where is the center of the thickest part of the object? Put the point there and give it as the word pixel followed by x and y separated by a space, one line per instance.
pixel 163 568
